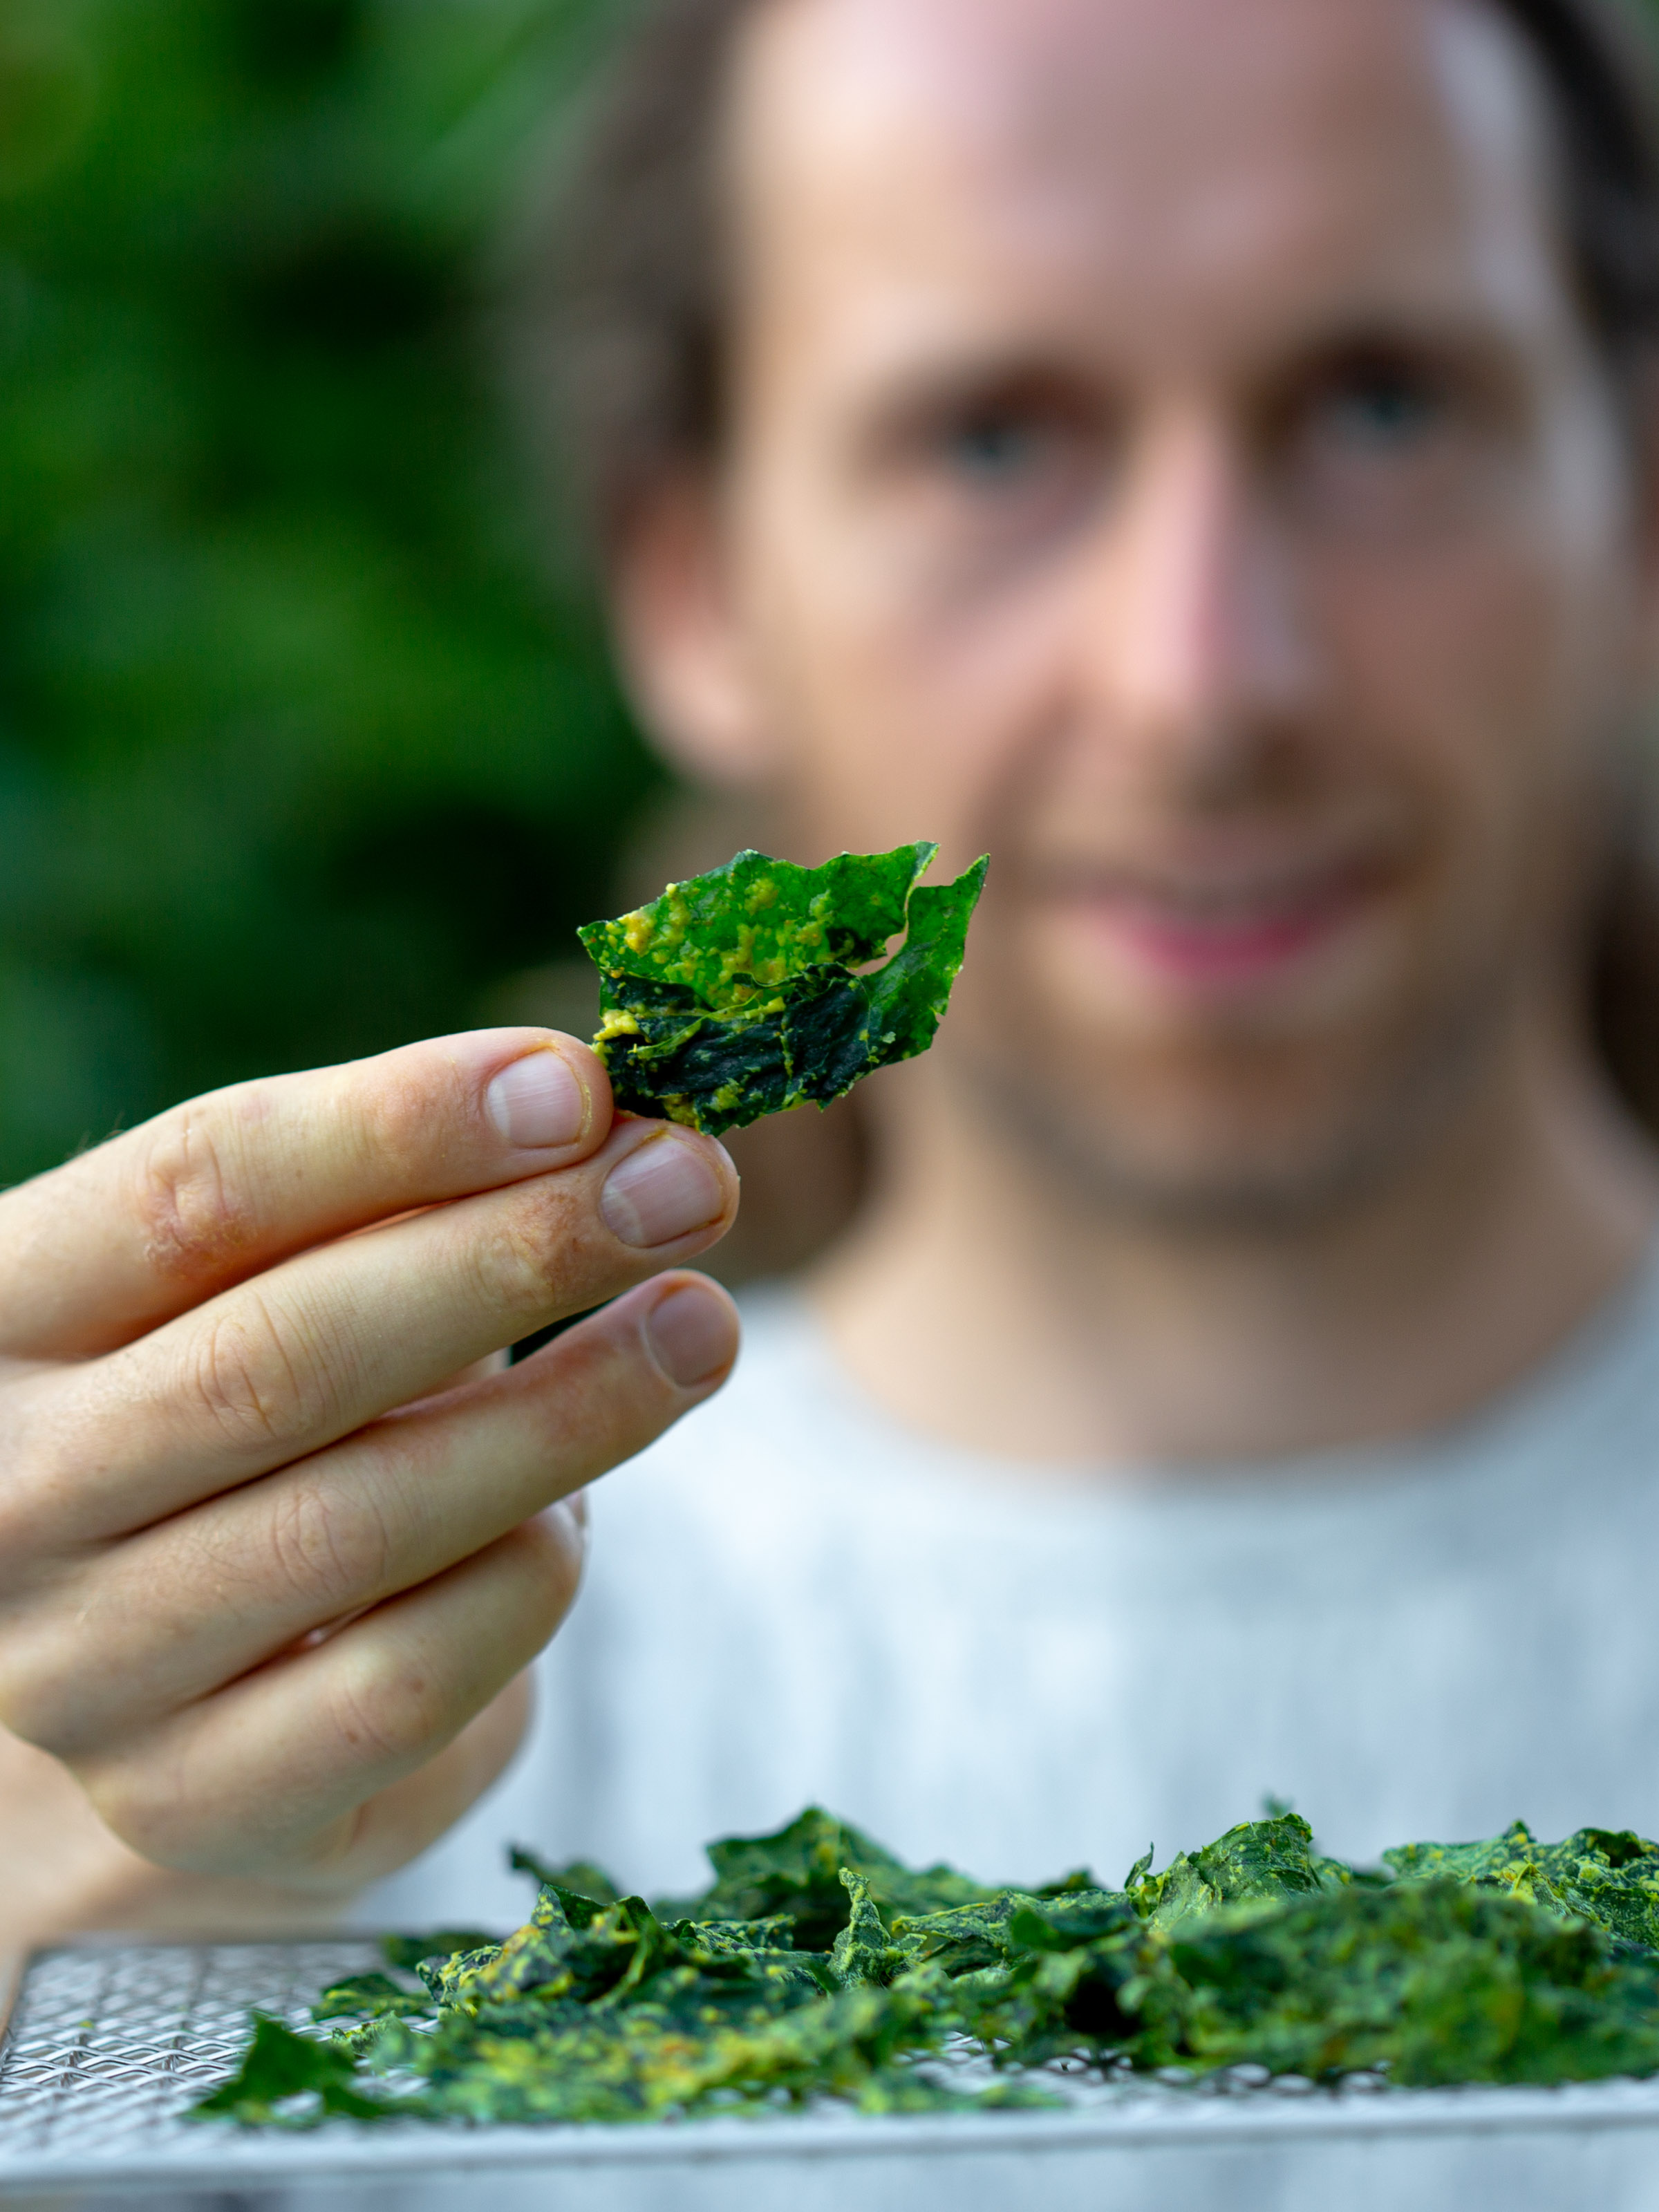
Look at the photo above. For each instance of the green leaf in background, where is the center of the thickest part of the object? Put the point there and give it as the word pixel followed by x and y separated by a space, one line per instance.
pixel 734 994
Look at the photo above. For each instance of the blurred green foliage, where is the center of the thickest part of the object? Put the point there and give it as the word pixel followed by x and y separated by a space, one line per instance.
pixel 299 748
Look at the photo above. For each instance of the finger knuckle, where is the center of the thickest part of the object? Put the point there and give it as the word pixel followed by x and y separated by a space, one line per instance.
pixel 389 1709
pixel 143 1796
pixel 543 1252
pixel 23 1712
pixel 37 1473
pixel 249 1385
pixel 330 1546
pixel 189 1216
pixel 598 1400
pixel 396 1126
pixel 44 1698
pixel 19 1523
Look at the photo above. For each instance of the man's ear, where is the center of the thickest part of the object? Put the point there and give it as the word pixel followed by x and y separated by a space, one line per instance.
pixel 680 639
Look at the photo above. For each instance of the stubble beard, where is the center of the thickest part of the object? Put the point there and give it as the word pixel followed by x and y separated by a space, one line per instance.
pixel 1291 1182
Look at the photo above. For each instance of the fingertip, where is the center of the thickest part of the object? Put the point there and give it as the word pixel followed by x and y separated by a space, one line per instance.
pixel 726 1172
pixel 559 1535
pixel 692 1331
pixel 669 1184
pixel 591 1071
pixel 542 1092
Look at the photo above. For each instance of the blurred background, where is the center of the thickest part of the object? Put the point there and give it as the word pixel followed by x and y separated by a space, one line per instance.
pixel 304 748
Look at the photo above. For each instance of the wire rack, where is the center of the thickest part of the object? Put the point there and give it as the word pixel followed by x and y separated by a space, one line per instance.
pixel 109 2046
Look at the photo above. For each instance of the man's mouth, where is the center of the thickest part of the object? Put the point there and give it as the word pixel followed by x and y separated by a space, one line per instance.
pixel 1222 926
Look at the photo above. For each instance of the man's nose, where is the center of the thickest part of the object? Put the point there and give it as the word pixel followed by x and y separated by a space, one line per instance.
pixel 1194 644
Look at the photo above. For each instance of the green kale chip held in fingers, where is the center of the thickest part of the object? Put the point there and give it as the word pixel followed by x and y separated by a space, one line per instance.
pixel 747 990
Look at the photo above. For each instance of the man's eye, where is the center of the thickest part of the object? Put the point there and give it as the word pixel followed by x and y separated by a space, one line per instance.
pixel 1383 414
pixel 1387 448
pixel 991 476
pixel 995 450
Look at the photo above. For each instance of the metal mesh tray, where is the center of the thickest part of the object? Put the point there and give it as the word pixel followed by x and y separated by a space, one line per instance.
pixel 107 2046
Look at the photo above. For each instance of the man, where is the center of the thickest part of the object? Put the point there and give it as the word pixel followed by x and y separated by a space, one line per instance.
pixel 1193 453
pixel 1165 448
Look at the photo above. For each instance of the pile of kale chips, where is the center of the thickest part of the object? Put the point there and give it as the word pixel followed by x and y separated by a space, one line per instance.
pixel 819 1966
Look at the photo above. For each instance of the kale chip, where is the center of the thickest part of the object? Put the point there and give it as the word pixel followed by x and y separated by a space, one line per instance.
pixel 1605 1875
pixel 797 1873
pixel 747 990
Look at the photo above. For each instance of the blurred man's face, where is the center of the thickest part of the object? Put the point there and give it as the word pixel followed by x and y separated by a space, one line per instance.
pixel 1166 456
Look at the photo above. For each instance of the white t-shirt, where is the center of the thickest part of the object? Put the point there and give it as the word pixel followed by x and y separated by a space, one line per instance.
pixel 793 1598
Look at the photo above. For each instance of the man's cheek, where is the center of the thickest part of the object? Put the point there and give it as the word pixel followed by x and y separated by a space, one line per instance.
pixel 888 784
pixel 907 735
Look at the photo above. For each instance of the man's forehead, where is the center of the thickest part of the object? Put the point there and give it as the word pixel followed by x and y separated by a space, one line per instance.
pixel 1194 135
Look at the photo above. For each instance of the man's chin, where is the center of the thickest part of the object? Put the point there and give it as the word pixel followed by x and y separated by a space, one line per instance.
pixel 1201 1172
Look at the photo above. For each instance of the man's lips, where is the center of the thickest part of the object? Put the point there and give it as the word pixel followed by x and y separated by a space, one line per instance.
pixel 1222 928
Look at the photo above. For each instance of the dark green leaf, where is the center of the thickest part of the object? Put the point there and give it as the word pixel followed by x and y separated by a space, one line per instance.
pixel 1259 1859
pixel 798 1871
pixel 863 1952
pixel 288 2080
pixel 734 994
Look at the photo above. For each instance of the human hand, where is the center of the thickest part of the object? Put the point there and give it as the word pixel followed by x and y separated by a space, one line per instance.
pixel 268 1573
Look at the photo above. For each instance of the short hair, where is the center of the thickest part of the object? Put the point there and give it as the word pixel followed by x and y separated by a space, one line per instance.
pixel 625 298
pixel 628 299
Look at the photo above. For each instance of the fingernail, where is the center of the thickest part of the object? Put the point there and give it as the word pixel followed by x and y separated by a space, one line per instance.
pixel 537 1102
pixel 662 1191
pixel 691 1334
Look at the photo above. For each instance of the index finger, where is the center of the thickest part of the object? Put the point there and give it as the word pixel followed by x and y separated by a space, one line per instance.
pixel 97 1252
